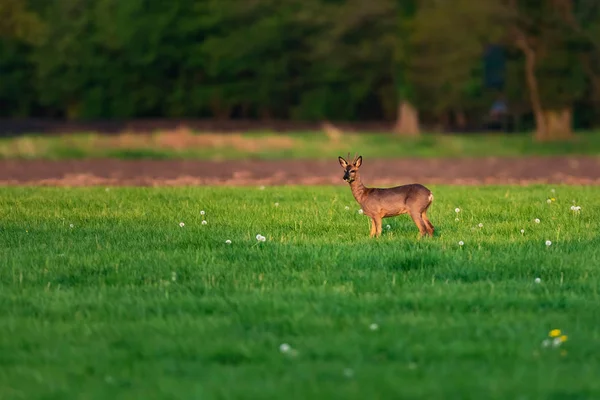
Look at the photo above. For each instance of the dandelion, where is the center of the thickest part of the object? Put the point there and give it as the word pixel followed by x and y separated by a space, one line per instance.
pixel 480 225
pixel 228 241
pixel 552 199
pixel 71 225
pixel 373 327
pixel 556 342
pixel 276 204
pixel 360 211
pixel 347 208
pixel 181 224
pixel 461 243
pixel 555 333
pixel 537 220
pixel 260 238
pixel 548 201
pixel 388 227
pixel 457 210
pixel 204 222
pixel 284 347
pixel 548 243
pixel 522 230
pixel 538 280
pixel 575 208
pixel 202 212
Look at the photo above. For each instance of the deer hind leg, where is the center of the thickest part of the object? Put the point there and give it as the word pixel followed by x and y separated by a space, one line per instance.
pixel 428 225
pixel 418 220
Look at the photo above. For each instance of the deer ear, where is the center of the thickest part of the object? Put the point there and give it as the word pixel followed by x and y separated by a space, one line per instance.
pixel 343 162
pixel 358 162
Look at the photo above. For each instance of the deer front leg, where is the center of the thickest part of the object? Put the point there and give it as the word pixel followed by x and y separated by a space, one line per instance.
pixel 373 228
pixel 377 221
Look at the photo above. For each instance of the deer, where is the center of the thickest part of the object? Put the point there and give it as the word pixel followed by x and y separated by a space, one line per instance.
pixel 377 203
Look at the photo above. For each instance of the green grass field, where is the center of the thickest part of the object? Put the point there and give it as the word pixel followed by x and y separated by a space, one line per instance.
pixel 316 145
pixel 105 296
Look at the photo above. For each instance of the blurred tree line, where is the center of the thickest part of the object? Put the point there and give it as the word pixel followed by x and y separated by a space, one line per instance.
pixel 457 62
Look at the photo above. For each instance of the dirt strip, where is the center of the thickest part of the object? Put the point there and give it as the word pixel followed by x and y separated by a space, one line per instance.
pixel 531 170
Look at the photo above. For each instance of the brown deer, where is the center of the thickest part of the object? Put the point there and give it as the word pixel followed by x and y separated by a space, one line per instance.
pixel 413 199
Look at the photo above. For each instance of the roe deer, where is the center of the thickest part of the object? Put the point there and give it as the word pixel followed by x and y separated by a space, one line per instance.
pixel 413 199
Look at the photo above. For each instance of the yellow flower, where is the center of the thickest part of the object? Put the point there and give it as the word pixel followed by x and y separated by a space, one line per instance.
pixel 564 338
pixel 555 333
pixel 553 199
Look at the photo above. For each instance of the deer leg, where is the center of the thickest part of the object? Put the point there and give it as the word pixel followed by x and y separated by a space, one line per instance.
pixel 377 221
pixel 418 220
pixel 373 229
pixel 428 224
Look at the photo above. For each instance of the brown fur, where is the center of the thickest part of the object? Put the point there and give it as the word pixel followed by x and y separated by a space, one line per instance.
pixel 413 199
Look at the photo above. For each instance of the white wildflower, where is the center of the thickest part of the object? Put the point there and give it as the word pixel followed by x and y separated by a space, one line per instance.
pixel 480 225
pixel 457 210
pixel 181 224
pixel 260 238
pixel 360 211
pixel 548 201
pixel 71 225
pixel 202 212
pixel 204 222
pixel 373 327
pixel 537 220
pixel 284 347
pixel 538 280
pixel 388 227
pixel 522 230
pixel 548 243
pixel 228 241
pixel 276 204
pixel 461 243
pixel 347 208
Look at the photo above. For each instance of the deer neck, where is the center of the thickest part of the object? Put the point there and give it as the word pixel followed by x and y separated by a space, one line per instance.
pixel 359 191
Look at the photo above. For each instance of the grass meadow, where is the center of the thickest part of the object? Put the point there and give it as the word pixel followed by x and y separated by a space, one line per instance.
pixel 105 295
pixel 186 144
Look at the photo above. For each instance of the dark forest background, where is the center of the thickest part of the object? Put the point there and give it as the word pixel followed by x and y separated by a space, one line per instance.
pixel 460 65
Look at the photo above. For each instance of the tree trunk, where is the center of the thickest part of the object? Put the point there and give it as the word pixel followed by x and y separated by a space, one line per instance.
pixel 557 123
pixel 549 124
pixel 407 122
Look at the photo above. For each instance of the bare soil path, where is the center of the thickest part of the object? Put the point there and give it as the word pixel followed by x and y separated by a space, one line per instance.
pixel 569 170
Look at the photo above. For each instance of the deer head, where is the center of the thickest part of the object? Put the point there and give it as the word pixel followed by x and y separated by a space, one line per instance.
pixel 350 170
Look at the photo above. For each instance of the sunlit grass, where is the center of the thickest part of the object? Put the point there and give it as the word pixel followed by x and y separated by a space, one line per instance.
pixel 184 144
pixel 106 292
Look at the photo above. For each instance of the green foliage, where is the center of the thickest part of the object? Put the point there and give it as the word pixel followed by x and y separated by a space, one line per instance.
pixel 128 304
pixel 298 59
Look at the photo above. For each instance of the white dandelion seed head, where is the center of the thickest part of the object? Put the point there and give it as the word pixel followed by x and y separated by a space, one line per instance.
pixel 461 243
pixel 181 224
pixel 537 220
pixel 346 208
pixel 276 204
pixel 204 222
pixel 260 238
pixel 228 241
pixel 71 225
pixel 480 225
pixel 548 243
pixel 388 227
pixel 557 341
pixel 538 280
pixel 548 201
pixel 572 208
pixel 457 210
pixel 373 327
pixel 360 211
pixel 284 347
pixel 522 230
pixel 202 212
